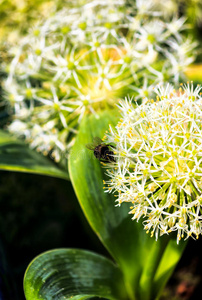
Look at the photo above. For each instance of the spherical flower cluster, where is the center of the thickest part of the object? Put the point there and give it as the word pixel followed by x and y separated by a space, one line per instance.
pixel 74 64
pixel 158 165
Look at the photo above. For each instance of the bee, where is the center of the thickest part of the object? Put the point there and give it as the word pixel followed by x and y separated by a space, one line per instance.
pixel 101 150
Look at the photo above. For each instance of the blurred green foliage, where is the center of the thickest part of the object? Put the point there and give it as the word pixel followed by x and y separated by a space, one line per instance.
pixel 17 16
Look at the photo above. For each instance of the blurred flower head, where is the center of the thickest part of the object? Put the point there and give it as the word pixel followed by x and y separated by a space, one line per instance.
pixel 74 65
pixel 158 167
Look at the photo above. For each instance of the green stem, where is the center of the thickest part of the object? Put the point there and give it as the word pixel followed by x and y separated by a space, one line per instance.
pixel 151 265
pixel 131 279
pixel 171 257
pixel 130 291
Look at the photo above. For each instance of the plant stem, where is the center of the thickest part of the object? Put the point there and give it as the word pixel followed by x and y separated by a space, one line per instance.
pixel 151 265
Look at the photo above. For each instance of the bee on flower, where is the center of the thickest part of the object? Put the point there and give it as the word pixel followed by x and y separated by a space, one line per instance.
pixel 158 165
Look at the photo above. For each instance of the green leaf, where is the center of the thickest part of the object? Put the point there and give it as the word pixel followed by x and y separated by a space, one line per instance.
pixel 72 274
pixel 124 238
pixel 18 157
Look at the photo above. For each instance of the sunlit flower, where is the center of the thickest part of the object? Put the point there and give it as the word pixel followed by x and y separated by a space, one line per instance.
pixel 158 165
pixel 72 65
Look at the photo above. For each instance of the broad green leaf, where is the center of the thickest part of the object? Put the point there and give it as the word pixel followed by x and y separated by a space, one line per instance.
pixel 17 156
pixel 72 274
pixel 124 238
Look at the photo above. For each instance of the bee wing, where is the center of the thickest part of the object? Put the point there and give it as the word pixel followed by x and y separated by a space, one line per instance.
pixel 90 146
pixel 97 141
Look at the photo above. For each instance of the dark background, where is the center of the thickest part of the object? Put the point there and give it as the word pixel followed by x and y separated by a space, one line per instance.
pixel 37 213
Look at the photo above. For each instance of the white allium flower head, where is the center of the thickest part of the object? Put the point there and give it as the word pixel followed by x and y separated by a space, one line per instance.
pixel 72 65
pixel 158 165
